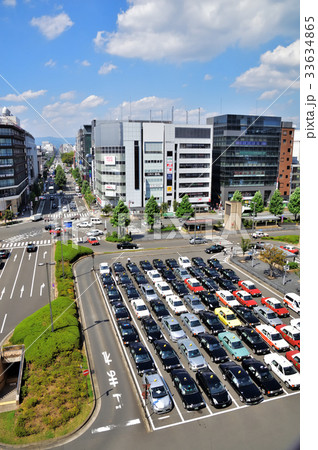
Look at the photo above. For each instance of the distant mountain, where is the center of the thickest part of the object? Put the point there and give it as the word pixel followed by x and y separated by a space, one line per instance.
pixel 55 140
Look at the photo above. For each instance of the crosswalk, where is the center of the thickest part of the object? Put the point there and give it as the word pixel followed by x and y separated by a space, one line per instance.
pixel 9 245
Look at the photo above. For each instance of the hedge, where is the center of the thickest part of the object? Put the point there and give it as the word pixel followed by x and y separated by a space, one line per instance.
pixel 71 252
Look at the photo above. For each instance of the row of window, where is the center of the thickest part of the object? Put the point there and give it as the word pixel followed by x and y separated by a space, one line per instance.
pixel 194 155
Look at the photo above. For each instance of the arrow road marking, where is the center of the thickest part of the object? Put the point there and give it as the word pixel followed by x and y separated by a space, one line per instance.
pixel 41 288
pixel 44 254
pixel 107 358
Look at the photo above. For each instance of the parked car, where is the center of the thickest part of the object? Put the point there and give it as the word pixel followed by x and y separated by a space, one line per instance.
pixel 294 357
pixel 194 303
pixel 214 249
pixel 140 279
pixel 158 264
pixel 128 332
pixel 209 300
pixel 245 299
pixel 192 323
pixel 152 330
pixel 267 316
pixel 253 340
pixel 250 287
pixel 213 388
pixel 158 394
pixel 272 337
pixel 167 355
pixel 141 357
pixel 131 292
pixel 292 301
pixel 211 272
pixel 227 317
pixel 159 309
pixel 192 354
pixel 275 305
pixel 113 294
pixel 290 334
pixel 284 369
pixel 181 273
pixel 120 311
pixel 172 263
pixel 210 284
pixel 198 240
pixel 149 292
pixel 262 377
pixel 173 328
pixel 176 304
pixel 194 285
pixel 211 321
pixel 227 298
pixel 230 275
pixel 188 390
pixel 132 268
pixel 233 345
pixel 213 348
pixel 163 288
pixel 179 288
pixel 167 274
pixel 184 262
pixel 140 309
pixel 118 268
pixel 146 265
pixel 104 268
pixel 226 284
pixel 241 382
pixel 154 276
pixel 215 263
pixel 245 315
pixel 126 245
pixel 198 262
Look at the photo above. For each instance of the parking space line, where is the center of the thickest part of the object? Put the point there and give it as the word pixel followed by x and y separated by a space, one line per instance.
pixel 16 278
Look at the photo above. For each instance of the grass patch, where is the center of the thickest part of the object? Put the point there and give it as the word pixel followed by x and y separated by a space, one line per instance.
pixel 71 252
pixel 289 238
pixel 113 237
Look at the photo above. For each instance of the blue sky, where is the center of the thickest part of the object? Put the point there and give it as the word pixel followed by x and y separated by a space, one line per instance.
pixel 66 63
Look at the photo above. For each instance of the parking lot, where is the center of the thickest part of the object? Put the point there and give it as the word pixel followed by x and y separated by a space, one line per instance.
pixel 179 415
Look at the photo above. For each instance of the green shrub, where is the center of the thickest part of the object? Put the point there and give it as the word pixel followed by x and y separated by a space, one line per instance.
pixel 114 237
pixel 293 265
pixel 71 252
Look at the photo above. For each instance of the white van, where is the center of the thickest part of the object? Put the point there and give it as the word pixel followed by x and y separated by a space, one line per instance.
pixel 292 301
pixel 37 217
pixel 96 221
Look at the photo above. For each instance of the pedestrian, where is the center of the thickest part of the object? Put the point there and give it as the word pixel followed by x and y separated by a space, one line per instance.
pixel 224 252
pixel 116 278
pixel 128 260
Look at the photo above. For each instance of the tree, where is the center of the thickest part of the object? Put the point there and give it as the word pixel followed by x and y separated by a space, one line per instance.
pixel 164 207
pixel 273 256
pixel 85 187
pixel 120 217
pixel 60 177
pixel 185 209
pixel 294 203
pixel 245 245
pixel 257 204
pixel 175 205
pixel 276 205
pixel 152 211
pixel 8 215
pixel 107 209
pixel 237 197
pixel 67 158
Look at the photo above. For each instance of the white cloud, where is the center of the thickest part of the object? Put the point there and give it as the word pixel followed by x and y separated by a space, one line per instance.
pixel 105 69
pixel 278 70
pixel 184 30
pixel 67 95
pixel 17 109
pixel 9 2
pixel 207 77
pixel 85 63
pixel 52 26
pixel 50 63
pixel 26 95
pixel 267 95
pixel 92 101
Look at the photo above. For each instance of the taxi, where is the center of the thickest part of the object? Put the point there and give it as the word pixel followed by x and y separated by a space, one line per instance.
pixel 276 306
pixel 227 317
pixel 250 287
pixel 194 285
pixel 245 299
pixel 290 334
pixel 272 337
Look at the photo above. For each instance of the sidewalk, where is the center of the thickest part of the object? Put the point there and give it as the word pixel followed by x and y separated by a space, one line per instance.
pixel 261 271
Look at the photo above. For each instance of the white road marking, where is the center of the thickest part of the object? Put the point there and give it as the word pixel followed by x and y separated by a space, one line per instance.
pixel 16 278
pixel 111 427
pixel 2 292
pixel 35 266
pixel 4 320
pixel 21 291
pixel 41 288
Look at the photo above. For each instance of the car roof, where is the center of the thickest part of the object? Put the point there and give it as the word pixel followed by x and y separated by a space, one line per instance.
pixel 187 343
pixel 154 379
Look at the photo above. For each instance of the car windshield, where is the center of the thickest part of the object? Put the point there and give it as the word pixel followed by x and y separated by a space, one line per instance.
pixel 242 381
pixel 271 315
pixel 264 375
pixel 178 303
pixel 247 297
pixel 142 357
pixel 215 386
pixel 194 353
pixel 141 307
pixel 196 302
pixel 150 292
pixel 237 344
pixel 255 338
pixel 185 260
pixel 121 309
pixel 183 272
pixel 276 337
pixel 175 327
pixel 188 388
pixel 167 354
pixel 290 370
pixel 195 323
pixel 296 336
pixel 155 275
pixel 213 320
pixel 165 288
pixel 196 284
pixel 251 286
pixel 153 328
pixel 230 317
pixel 159 392
pixel 127 331
pixel 213 345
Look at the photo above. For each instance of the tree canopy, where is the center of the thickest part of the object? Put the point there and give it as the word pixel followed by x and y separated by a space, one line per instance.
pixel 276 205
pixel 294 203
pixel 120 216
pixel 185 208
pixel 257 203
pixel 237 197
pixel 152 211
pixel 273 256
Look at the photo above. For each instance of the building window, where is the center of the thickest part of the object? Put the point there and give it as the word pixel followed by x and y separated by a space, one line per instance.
pixel 136 161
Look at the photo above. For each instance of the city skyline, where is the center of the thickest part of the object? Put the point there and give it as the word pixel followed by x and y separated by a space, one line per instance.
pixel 149 60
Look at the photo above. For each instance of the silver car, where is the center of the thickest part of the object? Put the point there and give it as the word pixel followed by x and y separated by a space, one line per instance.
pixel 192 354
pixel 173 328
pixel 267 316
pixel 193 324
pixel 181 273
pixel 158 392
pixel 148 292
pixel 194 303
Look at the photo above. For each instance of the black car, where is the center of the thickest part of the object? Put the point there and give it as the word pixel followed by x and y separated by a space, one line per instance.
pixel 198 261
pixel 213 348
pixel 179 288
pixel 118 268
pixel 209 299
pixel 214 249
pixel 209 284
pixel 4 253
pixel 107 280
pixel 49 226
pixel 226 284
pixel 131 292
pixel 258 245
pixel 140 279
pixel 187 389
pixel 262 376
pixel 31 248
pixel 151 328
pixel 215 263
pixel 158 264
pixel 172 263
pixel 167 274
pixel 159 309
pixel 124 279
pixel 211 272
pixel 253 340
pixel 167 355
pixel 146 265
pixel 126 245
pixel 112 293
pixel 245 314
pixel 120 311
pixel 210 320
pixel 241 383
pixel 128 332
pixel 133 268
pixel 213 388
pixel 196 272
pixel 141 357
pixel 230 275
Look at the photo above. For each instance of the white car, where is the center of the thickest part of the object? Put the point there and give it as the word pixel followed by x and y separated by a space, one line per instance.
pixel 154 276
pixel 140 308
pixel 283 369
pixel 94 233
pixel 163 288
pixel 184 262
pixel 292 301
pixel 259 234
pixel 84 225
pixel 295 323
pixel 65 209
pixel 104 268
pixel 227 298
pixel 272 337
pixel 176 304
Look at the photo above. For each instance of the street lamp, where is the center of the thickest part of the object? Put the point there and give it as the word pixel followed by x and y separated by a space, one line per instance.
pixel 47 264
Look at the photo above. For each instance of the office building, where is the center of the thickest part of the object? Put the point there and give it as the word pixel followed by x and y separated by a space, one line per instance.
pixel 83 155
pixel 285 159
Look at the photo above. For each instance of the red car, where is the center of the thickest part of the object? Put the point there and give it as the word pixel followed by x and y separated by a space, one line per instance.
pixel 194 285
pixel 93 241
pixel 275 305
pixel 294 357
pixel 290 249
pixel 245 298
pixel 250 287
pixel 56 231
pixel 290 334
